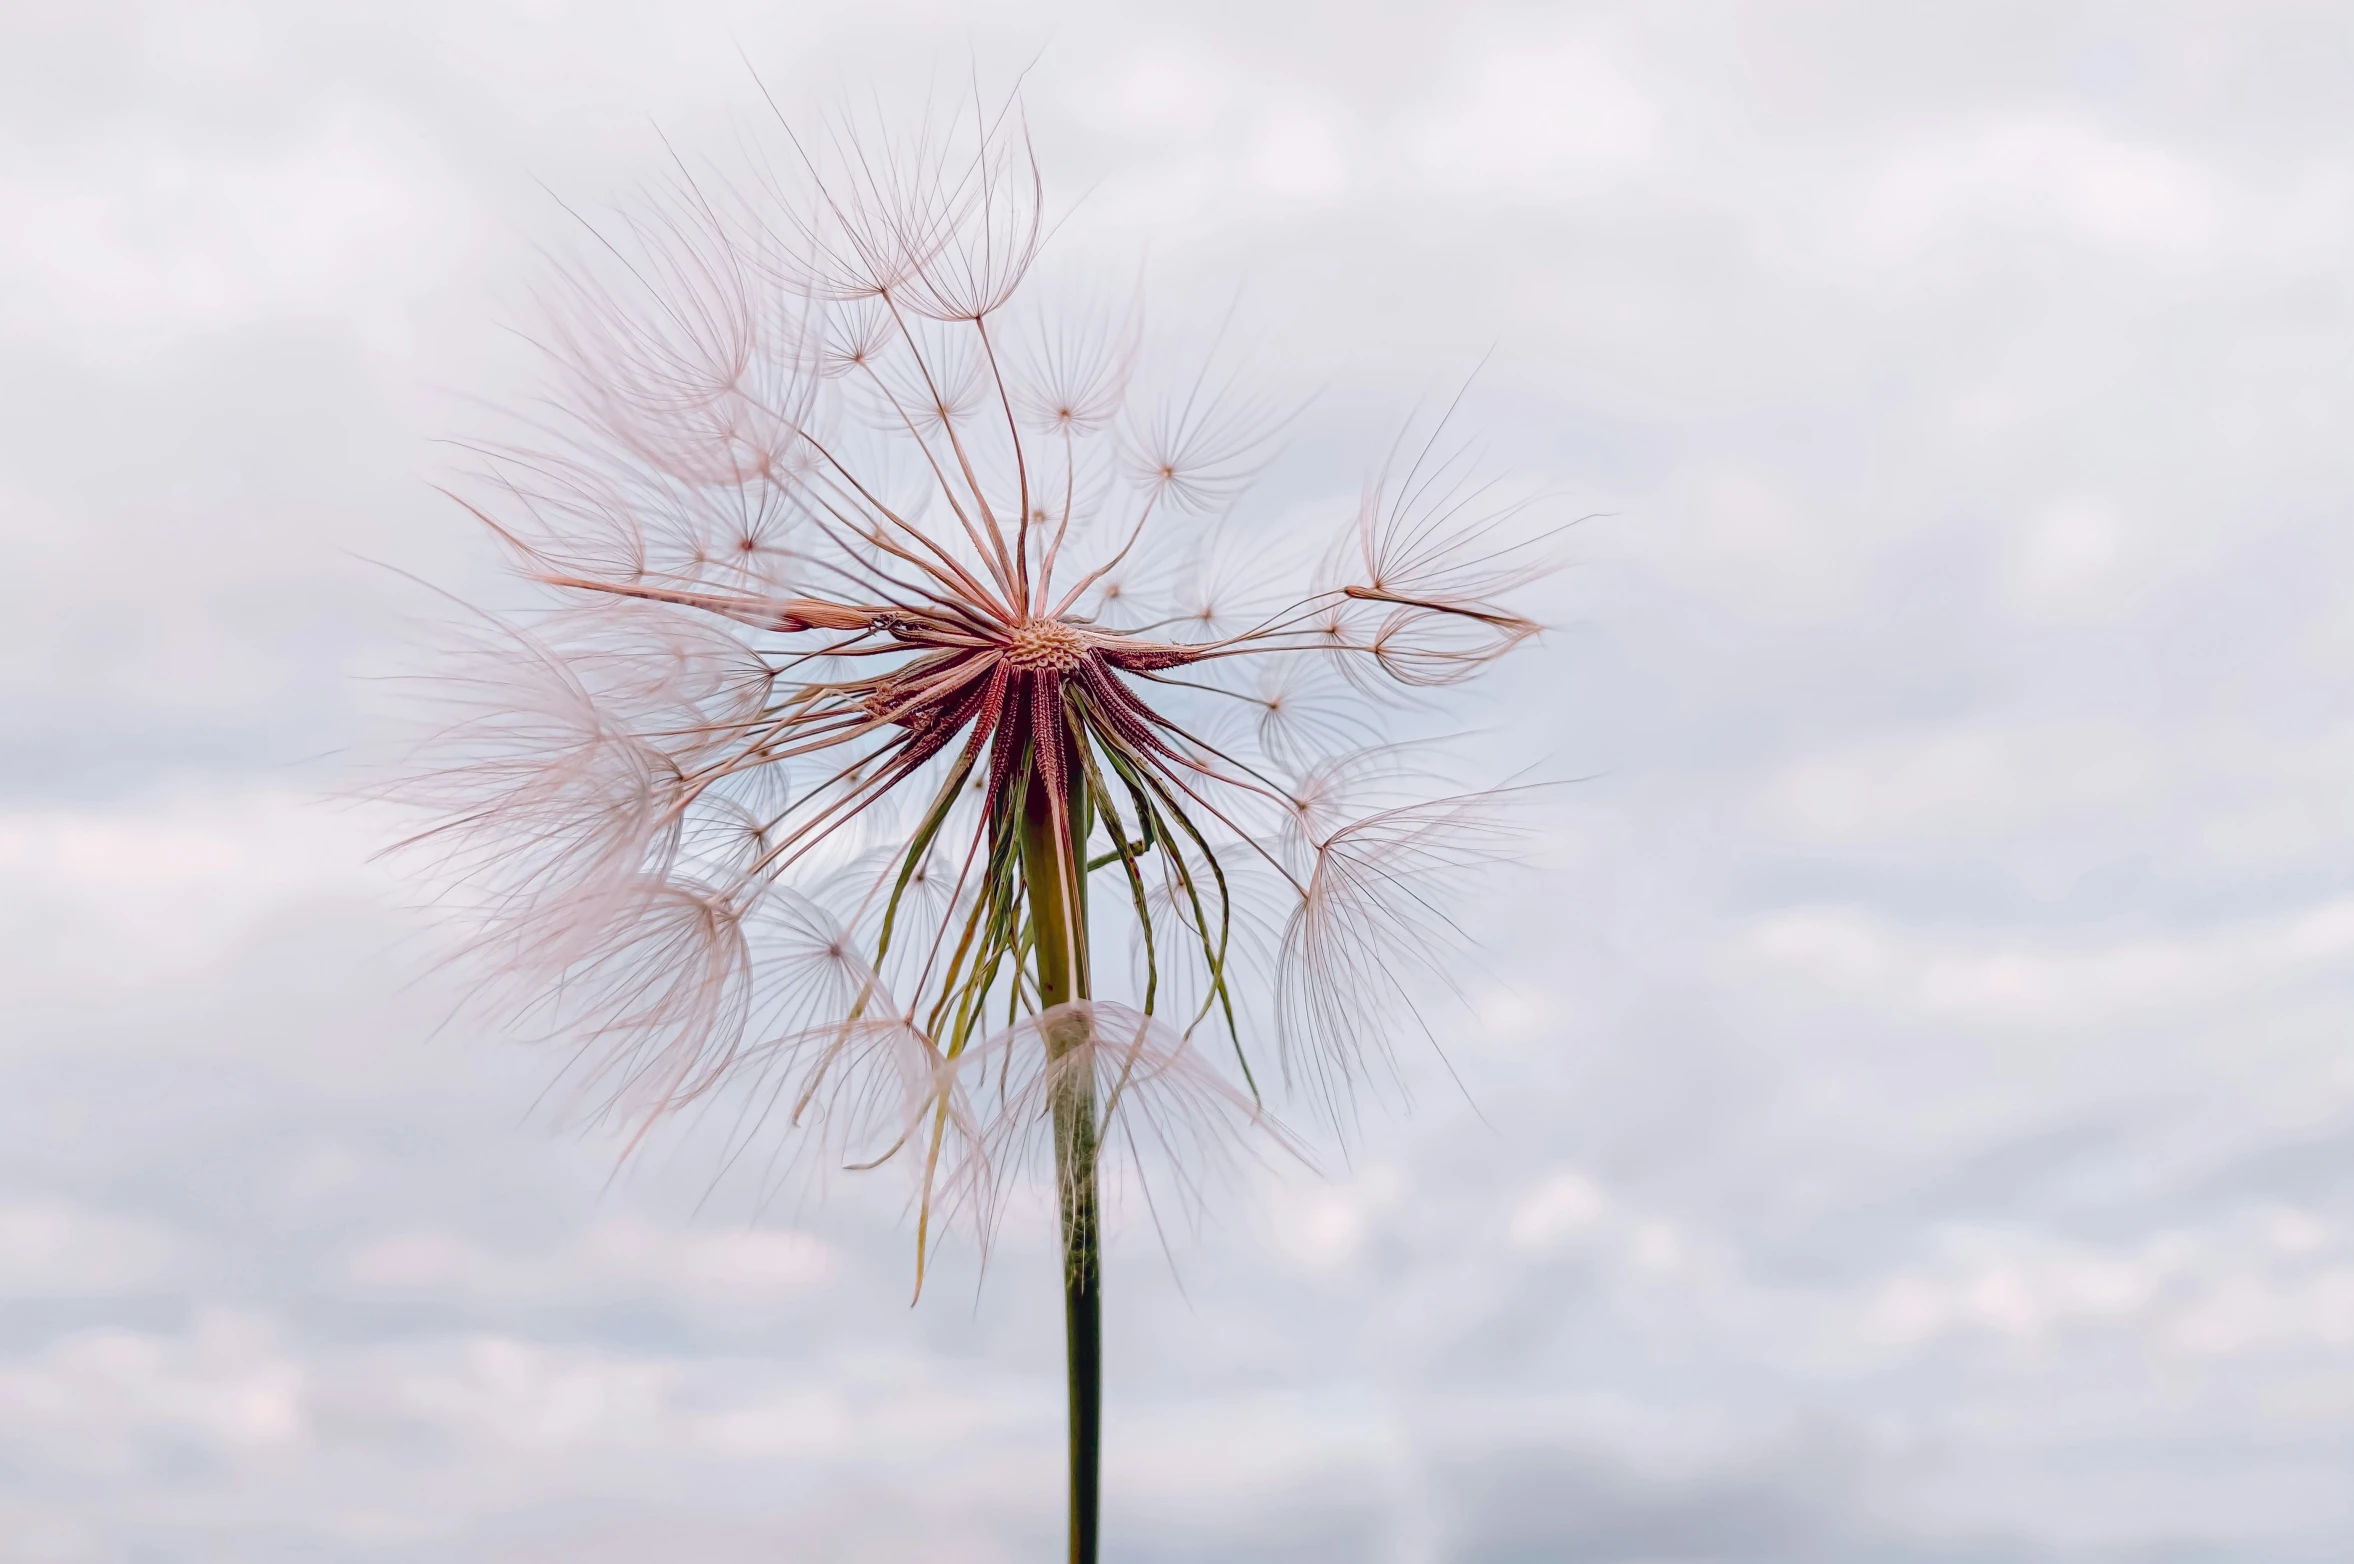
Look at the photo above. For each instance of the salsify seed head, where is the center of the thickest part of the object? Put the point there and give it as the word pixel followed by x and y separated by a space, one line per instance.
pixel 864 574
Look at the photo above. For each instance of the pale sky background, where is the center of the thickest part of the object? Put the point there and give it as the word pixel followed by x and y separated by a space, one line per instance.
pixel 1914 1081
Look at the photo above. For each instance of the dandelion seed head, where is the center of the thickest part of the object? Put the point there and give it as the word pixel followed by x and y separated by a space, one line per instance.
pixel 871 578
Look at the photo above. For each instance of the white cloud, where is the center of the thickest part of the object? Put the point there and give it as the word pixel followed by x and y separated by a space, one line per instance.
pixel 2021 175
pixel 2088 559
pixel 501 1391
pixel 1547 117
pixel 1321 1228
pixel 51 1249
pixel 1169 89
pixel 2225 1289
pixel 1952 789
pixel 1565 1204
pixel 1250 1446
pixel 1296 152
pixel 1756 541
pixel 120 242
pixel 1855 954
pixel 161 886
pixel 618 1257
pixel 97 1394
pixel 2024 1288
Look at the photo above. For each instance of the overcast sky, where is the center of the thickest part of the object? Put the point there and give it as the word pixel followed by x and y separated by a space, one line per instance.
pixel 1907 1111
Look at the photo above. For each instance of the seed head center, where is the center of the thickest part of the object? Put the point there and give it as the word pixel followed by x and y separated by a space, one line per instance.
pixel 1044 646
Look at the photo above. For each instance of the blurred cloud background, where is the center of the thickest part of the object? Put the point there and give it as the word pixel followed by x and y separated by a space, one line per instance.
pixel 1908 1111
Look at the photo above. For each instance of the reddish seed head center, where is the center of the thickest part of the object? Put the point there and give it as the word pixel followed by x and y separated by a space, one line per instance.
pixel 1044 646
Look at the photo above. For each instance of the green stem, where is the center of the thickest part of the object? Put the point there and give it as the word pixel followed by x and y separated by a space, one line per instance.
pixel 1057 890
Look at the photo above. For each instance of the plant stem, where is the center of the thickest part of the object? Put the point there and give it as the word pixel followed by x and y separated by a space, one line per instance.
pixel 1056 883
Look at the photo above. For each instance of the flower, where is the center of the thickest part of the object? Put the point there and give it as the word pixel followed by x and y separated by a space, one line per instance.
pixel 852 716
